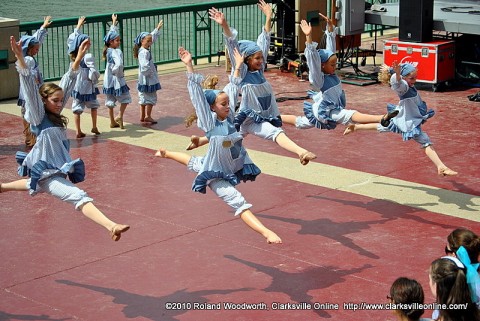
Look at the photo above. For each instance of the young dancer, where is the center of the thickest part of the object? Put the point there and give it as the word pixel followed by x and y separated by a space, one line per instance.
pixel 30 47
pixel 114 84
pixel 226 162
pixel 148 83
pixel 258 113
pixel 49 162
pixel 85 91
pixel 412 112
pixel 210 82
pixel 329 107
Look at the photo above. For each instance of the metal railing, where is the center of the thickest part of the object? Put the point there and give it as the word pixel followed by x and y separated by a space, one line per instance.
pixel 188 26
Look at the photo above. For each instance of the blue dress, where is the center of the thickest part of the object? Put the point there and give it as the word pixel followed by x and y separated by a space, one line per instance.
pixel 87 79
pixel 31 63
pixel 258 101
pixel 50 155
pixel 226 158
pixel 330 94
pixel 412 110
pixel 147 71
pixel 114 79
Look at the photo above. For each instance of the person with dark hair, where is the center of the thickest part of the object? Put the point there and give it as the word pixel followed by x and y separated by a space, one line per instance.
pixel 466 238
pixel 114 85
pixel 148 82
pixel 49 163
pixel 464 244
pixel 407 294
pixel 85 92
pixel 448 283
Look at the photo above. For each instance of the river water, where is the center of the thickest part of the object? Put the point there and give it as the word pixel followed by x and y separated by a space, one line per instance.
pixel 35 10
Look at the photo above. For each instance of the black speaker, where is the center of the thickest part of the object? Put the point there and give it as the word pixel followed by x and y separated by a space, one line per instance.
pixel 285 18
pixel 415 20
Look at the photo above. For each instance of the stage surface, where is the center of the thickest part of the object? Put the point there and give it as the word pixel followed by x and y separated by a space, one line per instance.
pixel 369 209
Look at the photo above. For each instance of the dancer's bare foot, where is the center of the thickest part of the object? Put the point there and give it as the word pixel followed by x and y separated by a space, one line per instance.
pixel 81 135
pixel 272 238
pixel 161 152
pixel 350 129
pixel 117 230
pixel 194 141
pixel 306 157
pixel 445 171
pixel 95 131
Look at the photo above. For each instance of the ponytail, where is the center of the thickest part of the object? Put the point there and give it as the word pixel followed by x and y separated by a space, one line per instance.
pixel 452 289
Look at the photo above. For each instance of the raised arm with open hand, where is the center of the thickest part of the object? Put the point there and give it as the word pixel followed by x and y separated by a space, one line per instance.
pixel 218 16
pixel 267 11
pixel 186 57
pixel 17 51
pixel 114 19
pixel 160 25
pixel 81 22
pixel 307 30
pixel 328 20
pixel 47 21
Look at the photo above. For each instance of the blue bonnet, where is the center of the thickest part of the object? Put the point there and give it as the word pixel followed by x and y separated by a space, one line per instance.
pixel 211 95
pixel 26 42
pixel 75 44
pixel 405 69
pixel 325 54
pixel 111 35
pixel 138 40
pixel 248 47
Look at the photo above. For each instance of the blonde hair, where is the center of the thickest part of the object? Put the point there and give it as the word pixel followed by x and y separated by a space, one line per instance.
pixel 384 75
pixel 104 52
pixel 210 82
pixel 135 51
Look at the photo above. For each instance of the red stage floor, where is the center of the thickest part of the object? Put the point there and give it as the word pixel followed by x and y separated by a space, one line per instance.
pixel 187 257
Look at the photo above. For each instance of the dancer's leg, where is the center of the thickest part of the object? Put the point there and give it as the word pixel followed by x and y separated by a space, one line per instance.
pixel 254 223
pixel 179 157
pixel 286 143
pixel 18 185
pixel 442 169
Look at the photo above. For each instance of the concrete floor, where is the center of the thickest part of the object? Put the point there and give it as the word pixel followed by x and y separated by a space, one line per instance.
pixel 369 209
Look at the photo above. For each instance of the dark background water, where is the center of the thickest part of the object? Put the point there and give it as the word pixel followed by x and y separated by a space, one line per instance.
pixel 35 10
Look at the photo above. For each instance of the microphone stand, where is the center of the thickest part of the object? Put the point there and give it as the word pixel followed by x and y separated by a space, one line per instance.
pixel 285 5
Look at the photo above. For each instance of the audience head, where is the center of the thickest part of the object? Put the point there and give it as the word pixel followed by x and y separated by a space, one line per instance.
pixel 448 284
pixel 407 291
pixel 466 238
